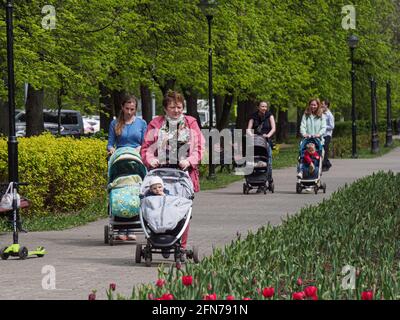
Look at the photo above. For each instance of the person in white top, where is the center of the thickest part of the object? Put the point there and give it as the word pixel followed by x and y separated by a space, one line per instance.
pixel 330 125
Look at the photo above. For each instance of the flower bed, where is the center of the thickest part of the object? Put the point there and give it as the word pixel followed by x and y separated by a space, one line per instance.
pixel 304 258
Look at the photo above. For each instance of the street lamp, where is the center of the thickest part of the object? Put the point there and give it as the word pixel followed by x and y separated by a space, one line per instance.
pixel 207 7
pixel 352 42
pixel 12 139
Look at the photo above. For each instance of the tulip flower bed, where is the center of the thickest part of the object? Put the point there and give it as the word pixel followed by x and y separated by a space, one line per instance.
pixel 303 258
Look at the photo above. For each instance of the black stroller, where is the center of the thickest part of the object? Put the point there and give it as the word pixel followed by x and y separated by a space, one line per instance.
pixel 262 169
pixel 310 181
pixel 165 218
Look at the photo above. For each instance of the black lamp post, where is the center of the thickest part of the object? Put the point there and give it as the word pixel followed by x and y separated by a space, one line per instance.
pixel 389 133
pixel 352 42
pixel 12 139
pixel 374 126
pixel 207 6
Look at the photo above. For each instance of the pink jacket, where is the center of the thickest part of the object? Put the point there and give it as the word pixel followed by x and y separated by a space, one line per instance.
pixel 196 149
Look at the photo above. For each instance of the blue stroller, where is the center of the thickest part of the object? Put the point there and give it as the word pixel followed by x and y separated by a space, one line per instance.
pixel 125 175
pixel 307 180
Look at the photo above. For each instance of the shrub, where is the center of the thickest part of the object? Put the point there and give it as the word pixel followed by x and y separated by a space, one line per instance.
pixel 64 174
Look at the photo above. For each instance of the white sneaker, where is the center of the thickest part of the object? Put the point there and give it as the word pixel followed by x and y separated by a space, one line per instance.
pixel 300 175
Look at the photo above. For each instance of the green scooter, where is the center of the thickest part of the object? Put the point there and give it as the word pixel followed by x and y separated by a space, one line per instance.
pixel 16 250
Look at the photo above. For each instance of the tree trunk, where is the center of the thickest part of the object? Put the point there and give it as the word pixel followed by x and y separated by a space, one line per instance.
pixel 226 111
pixel 106 107
pixel 34 111
pixel 298 122
pixel 282 133
pixel 145 96
pixel 245 109
pixel 167 86
pixel 117 96
pixel 191 98
pixel 4 118
pixel 219 102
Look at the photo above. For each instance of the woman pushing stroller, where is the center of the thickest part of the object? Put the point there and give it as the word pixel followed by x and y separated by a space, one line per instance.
pixel 174 139
pixel 313 125
pixel 262 123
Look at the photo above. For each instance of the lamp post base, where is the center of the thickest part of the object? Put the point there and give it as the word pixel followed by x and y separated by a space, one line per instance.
pixel 375 144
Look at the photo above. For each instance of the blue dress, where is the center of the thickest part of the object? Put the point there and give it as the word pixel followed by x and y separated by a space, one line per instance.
pixel 132 134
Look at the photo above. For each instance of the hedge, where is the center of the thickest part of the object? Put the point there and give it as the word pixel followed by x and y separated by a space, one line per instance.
pixel 64 174
pixel 344 128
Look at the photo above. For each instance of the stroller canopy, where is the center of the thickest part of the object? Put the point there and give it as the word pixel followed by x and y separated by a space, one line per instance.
pixel 125 161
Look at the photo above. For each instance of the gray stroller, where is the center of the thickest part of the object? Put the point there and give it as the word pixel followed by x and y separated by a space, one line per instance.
pixel 165 218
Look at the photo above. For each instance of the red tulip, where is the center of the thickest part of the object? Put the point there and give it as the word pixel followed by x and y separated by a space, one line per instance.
pixel 160 283
pixel 167 296
pixel 315 298
pixel 113 286
pixel 367 295
pixel 299 282
pixel 210 296
pixel 209 287
pixel 268 292
pixel 246 298
pixel 187 280
pixel 258 290
pixel 150 296
pixel 92 296
pixel 298 296
pixel 310 291
pixel 230 297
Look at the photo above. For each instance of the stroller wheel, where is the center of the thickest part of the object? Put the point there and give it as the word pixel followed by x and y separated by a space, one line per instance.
pixel 23 253
pixel 111 240
pixel 316 189
pixel 298 188
pixel 265 189
pixel 3 255
pixel 165 254
pixel 244 188
pixel 138 254
pixel 272 187
pixel 195 254
pixel 324 187
pixel 148 262
pixel 106 232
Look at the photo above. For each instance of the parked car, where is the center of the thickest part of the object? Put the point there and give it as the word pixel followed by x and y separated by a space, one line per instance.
pixel 91 124
pixel 71 122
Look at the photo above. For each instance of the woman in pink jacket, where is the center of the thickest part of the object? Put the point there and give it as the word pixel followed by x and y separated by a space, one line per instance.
pixel 174 138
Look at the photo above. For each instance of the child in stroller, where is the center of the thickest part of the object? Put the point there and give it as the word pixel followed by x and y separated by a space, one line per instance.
pixel 311 155
pixel 164 218
pixel 125 174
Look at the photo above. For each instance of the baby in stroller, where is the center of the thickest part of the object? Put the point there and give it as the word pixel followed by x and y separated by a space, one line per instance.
pixel 311 155
pixel 165 212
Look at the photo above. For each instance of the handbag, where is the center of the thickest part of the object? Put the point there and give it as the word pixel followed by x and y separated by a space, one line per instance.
pixel 6 202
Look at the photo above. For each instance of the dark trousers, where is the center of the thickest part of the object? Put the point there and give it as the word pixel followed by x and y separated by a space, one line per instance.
pixel 327 164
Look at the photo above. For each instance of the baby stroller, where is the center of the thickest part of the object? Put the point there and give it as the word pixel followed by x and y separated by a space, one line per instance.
pixel 310 181
pixel 125 174
pixel 261 175
pixel 165 218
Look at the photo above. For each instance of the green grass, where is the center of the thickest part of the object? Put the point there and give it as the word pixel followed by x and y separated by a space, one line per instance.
pixel 314 245
pixel 54 222
pixel 365 153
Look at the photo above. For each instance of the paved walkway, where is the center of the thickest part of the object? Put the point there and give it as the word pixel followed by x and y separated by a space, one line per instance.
pixel 82 262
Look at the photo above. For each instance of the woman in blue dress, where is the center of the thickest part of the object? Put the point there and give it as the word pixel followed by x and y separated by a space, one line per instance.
pixel 126 131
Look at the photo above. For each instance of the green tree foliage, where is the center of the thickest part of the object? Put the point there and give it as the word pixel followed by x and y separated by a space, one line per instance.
pixel 283 51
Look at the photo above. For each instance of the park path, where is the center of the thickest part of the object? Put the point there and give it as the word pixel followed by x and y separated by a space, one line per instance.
pixel 82 262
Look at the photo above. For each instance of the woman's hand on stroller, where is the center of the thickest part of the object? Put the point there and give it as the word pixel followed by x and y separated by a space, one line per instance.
pixel 154 163
pixel 184 164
